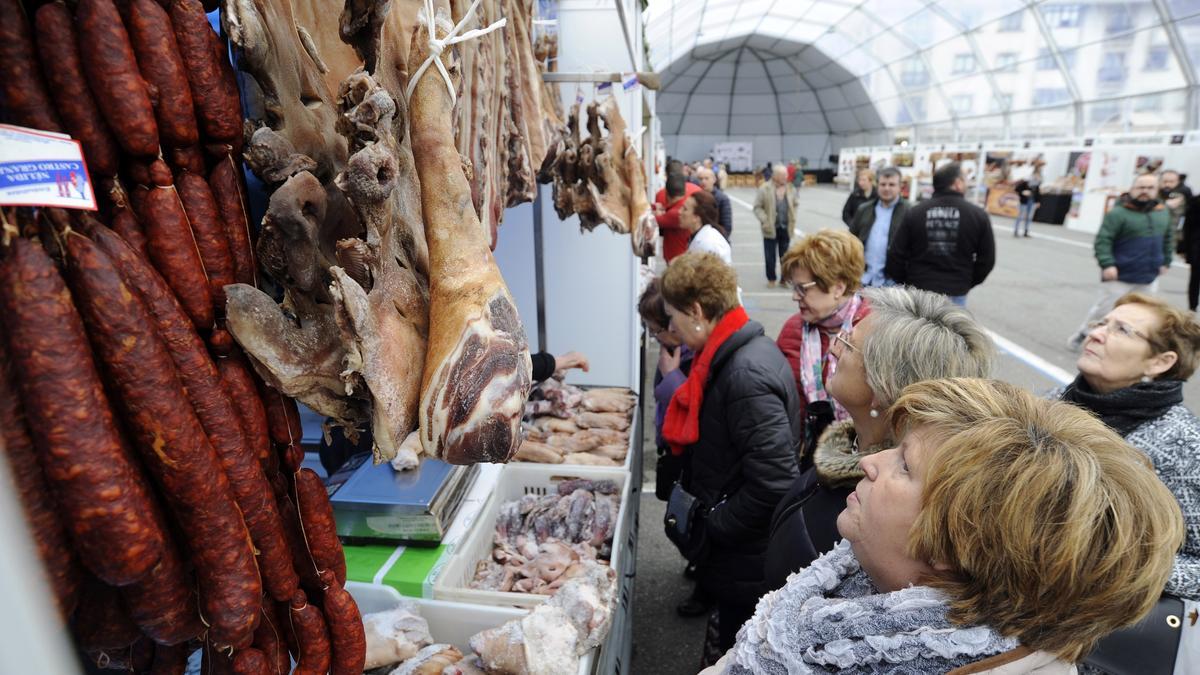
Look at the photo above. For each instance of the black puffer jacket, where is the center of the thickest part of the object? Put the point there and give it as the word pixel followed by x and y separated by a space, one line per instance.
pixel 750 437
pixel 804 526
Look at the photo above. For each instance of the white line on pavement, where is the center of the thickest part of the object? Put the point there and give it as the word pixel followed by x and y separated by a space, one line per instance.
pixel 1030 359
pixel 744 204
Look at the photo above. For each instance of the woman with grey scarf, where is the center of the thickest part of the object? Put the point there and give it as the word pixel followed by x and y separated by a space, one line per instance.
pixel 1005 534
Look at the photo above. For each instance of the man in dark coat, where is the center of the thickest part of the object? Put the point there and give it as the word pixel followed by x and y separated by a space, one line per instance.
pixel 708 181
pixel 945 244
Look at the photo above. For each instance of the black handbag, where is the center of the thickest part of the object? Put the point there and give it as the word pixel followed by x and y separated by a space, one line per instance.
pixel 684 519
pixel 1147 648
pixel 683 523
pixel 818 415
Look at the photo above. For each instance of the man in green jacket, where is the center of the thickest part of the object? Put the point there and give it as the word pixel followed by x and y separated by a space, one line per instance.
pixel 1133 247
pixel 775 207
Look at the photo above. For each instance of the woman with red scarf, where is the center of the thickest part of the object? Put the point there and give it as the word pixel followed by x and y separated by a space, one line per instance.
pixel 735 420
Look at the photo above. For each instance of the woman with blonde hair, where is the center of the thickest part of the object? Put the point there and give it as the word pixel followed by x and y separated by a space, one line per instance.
pixel 863 192
pixel 1003 534
pixel 909 336
pixel 733 420
pixel 824 271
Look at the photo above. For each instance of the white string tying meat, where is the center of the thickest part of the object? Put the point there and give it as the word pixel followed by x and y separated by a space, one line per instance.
pixel 436 46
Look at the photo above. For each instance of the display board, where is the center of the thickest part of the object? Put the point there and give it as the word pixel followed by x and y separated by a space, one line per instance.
pixel 738 156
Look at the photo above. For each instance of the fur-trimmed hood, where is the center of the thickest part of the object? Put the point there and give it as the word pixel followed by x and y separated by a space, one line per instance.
pixel 837 454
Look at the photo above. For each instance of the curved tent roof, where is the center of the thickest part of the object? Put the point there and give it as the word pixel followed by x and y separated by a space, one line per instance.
pixel 843 66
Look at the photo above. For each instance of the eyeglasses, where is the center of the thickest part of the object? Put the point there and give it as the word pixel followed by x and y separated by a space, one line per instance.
pixel 843 338
pixel 799 290
pixel 1115 327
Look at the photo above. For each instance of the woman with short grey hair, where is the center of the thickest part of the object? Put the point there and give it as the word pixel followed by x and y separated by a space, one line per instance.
pixel 908 336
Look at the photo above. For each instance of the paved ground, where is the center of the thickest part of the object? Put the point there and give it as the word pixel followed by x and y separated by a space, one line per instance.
pixel 1037 295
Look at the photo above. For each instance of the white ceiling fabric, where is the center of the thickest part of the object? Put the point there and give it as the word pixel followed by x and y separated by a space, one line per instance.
pixel 737 67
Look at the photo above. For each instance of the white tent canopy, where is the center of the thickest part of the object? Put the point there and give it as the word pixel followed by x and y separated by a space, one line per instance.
pixel 799 77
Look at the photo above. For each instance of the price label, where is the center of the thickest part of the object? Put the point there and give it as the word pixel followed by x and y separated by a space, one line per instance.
pixel 40 168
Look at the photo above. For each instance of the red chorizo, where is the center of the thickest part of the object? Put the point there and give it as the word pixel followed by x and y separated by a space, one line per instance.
pixel 58 560
pixel 172 443
pixel 101 493
pixel 209 232
pixel 221 342
pixel 158 58
pixel 231 92
pixel 316 518
pixel 172 248
pixel 188 158
pixel 112 73
pixel 301 558
pixel 347 637
pixel 291 457
pixel 252 662
pixel 23 93
pixel 269 639
pixel 170 660
pixel 312 637
pixel 214 408
pixel 162 603
pixel 284 613
pixel 218 111
pixel 124 220
pixel 283 417
pixel 226 183
pixel 239 382
pixel 101 622
pixel 59 51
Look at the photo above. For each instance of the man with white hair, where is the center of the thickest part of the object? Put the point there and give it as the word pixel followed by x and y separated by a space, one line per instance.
pixel 1133 247
pixel 775 208
pixel 708 181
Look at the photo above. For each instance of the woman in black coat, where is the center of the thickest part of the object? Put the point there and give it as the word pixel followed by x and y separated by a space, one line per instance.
pixel 734 419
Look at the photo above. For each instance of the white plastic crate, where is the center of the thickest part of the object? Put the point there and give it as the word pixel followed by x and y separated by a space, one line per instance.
pixel 449 622
pixel 458 570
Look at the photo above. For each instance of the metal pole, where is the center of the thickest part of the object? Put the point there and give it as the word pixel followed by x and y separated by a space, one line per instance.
pixel 539 270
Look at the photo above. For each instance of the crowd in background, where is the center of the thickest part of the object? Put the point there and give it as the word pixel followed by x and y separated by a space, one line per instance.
pixel 858 491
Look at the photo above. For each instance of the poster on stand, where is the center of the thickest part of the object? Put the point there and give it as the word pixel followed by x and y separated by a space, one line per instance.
pixel 39 168
pixel 737 156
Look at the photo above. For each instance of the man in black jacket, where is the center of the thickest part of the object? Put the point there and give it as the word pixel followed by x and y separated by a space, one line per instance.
pixel 708 181
pixel 945 244
pixel 877 235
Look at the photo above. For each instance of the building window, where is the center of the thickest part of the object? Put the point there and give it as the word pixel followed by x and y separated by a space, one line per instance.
pixel 913 73
pixel 1104 113
pixel 961 104
pixel 1007 62
pixel 1045 59
pixel 1148 104
pixel 1120 19
pixel 1012 22
pixel 964 63
pixel 1157 57
pixel 1063 16
pixel 1112 68
pixel 916 107
pixel 1002 102
pixel 1050 96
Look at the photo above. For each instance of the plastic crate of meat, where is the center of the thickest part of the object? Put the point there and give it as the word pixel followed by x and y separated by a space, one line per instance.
pixel 455 577
pixel 452 623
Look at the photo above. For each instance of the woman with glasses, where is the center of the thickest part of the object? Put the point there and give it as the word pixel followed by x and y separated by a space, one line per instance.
pixel 734 422
pixel 824 272
pixel 1131 374
pixel 909 336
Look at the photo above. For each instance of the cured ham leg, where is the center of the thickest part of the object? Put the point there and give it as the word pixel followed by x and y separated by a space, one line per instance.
pixel 477 368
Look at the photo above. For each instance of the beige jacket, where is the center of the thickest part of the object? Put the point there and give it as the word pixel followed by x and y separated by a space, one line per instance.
pixel 1020 661
pixel 764 208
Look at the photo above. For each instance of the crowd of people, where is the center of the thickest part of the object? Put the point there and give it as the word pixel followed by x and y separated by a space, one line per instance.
pixel 859 495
